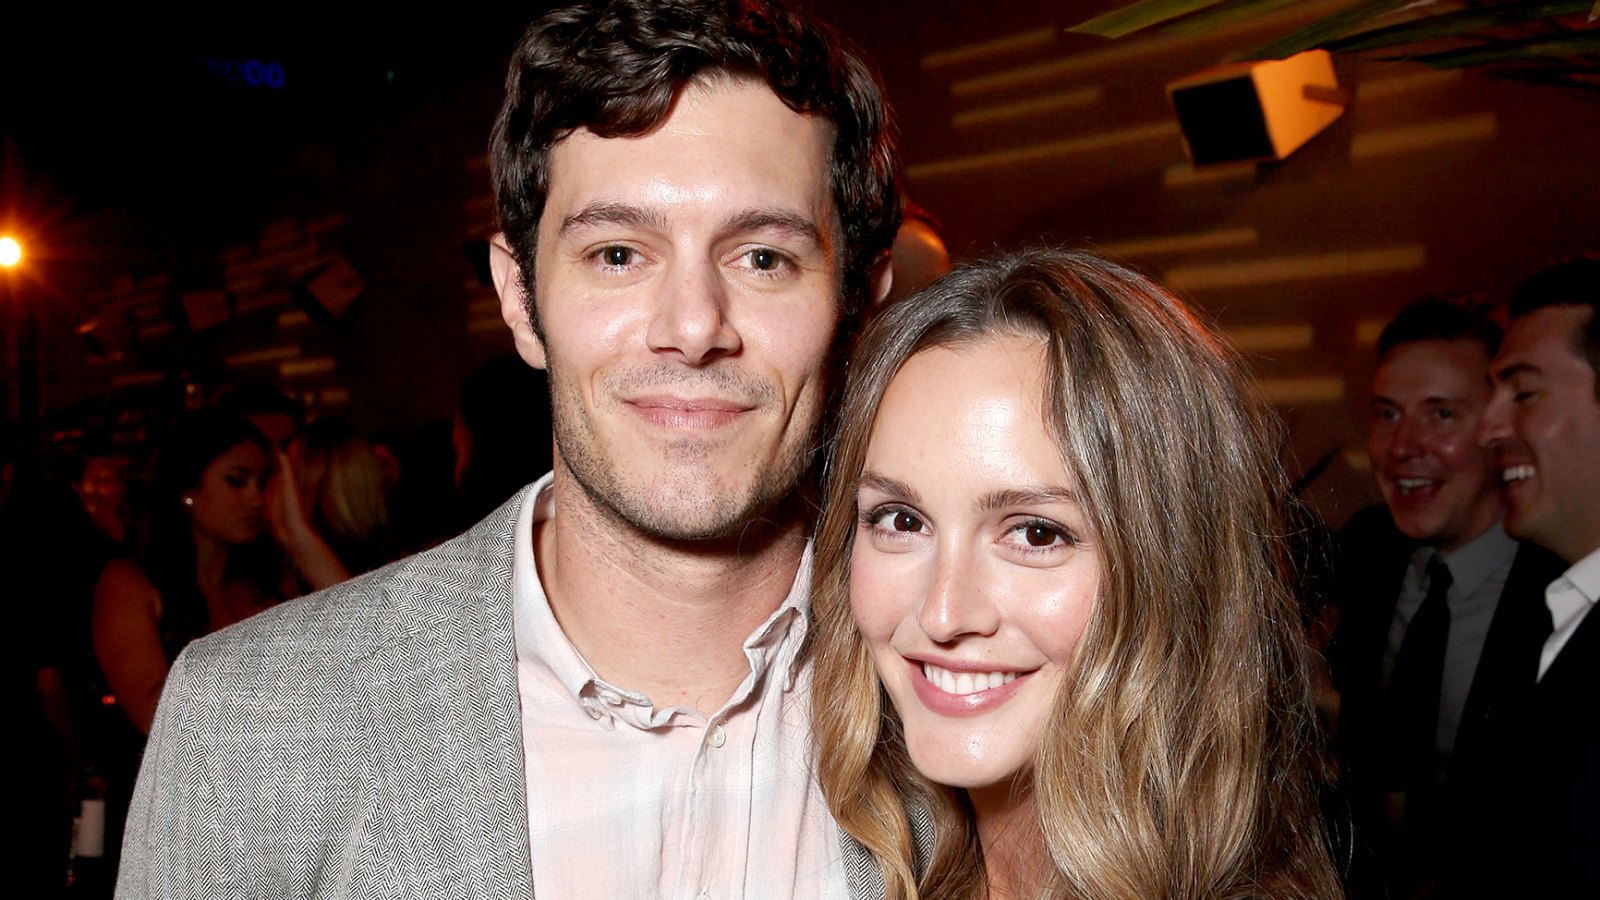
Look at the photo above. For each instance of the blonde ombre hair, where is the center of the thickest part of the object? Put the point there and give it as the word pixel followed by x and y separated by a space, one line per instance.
pixel 1180 758
pixel 342 482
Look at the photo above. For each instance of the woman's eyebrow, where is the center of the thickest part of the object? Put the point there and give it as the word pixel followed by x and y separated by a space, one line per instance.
pixel 1028 496
pixel 886 485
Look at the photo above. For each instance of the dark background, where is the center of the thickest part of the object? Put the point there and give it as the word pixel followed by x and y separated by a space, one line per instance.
pixel 139 172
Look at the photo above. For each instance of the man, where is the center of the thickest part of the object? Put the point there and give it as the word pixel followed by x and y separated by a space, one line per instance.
pixel 597 692
pixel 1434 596
pixel 1538 832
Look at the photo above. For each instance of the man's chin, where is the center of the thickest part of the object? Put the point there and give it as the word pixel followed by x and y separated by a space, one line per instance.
pixel 697 512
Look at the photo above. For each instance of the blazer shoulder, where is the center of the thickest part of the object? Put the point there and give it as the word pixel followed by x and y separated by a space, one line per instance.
pixel 468 576
pixel 1532 570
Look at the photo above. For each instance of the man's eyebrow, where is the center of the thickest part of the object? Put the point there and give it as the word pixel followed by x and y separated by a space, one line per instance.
pixel 614 214
pixel 790 223
pixel 886 485
pixel 1509 372
pixel 1028 496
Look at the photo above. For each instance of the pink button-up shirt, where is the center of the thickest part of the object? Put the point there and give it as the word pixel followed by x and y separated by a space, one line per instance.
pixel 627 800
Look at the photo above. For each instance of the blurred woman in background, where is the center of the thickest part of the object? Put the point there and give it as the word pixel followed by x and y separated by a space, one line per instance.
pixel 327 507
pixel 203 565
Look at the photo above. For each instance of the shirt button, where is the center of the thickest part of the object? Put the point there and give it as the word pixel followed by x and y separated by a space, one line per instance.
pixel 703 895
pixel 612 698
pixel 716 739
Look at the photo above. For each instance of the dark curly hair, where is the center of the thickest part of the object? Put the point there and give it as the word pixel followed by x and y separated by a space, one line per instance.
pixel 615 68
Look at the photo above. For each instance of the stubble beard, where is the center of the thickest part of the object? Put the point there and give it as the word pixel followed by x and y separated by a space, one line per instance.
pixel 685 504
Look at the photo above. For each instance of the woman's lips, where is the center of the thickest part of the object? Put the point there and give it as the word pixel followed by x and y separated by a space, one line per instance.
pixel 952 691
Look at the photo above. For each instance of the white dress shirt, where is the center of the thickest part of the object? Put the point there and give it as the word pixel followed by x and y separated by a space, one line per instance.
pixel 1570 598
pixel 629 800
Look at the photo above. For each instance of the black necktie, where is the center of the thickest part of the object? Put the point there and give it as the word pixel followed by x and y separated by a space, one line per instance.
pixel 1414 694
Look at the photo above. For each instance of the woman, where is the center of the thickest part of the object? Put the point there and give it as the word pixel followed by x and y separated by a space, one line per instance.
pixel 203 565
pixel 327 507
pixel 1053 532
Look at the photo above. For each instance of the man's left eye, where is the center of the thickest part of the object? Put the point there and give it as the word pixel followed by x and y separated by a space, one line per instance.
pixel 764 259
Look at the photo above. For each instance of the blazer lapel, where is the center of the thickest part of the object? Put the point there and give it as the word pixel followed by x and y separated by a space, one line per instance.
pixel 1510 659
pixel 446 737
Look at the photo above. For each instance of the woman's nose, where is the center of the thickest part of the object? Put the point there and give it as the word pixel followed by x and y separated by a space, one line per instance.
pixel 958 603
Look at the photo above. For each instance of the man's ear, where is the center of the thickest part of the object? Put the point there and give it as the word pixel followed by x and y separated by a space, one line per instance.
pixel 513 305
pixel 881 279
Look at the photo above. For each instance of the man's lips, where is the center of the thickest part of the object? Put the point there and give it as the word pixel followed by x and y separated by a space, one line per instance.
pixel 1516 473
pixel 964 689
pixel 1414 487
pixel 688 414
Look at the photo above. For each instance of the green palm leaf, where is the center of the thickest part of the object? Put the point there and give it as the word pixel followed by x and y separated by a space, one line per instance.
pixel 1453 24
pixel 1223 15
pixel 1325 29
pixel 1138 16
pixel 1507 51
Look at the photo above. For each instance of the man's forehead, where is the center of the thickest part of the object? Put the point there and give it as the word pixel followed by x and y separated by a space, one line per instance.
pixel 1544 334
pixel 730 153
pixel 1434 360
pixel 711 88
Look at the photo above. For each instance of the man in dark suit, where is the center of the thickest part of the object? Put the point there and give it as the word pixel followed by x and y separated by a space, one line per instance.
pixel 1536 831
pixel 1435 598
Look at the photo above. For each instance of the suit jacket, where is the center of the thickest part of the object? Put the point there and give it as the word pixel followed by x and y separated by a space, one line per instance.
pixel 1373 556
pixel 361 742
pixel 1372 562
pixel 1534 830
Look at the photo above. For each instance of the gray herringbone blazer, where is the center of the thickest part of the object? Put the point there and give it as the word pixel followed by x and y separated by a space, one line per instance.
pixel 361 742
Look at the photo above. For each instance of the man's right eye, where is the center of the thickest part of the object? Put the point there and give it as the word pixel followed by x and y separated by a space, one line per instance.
pixel 616 256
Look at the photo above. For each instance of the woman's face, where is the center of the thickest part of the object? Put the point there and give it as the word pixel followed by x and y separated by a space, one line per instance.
pixel 974 571
pixel 228 501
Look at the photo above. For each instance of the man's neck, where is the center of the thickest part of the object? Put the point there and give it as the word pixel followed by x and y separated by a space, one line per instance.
pixel 667 619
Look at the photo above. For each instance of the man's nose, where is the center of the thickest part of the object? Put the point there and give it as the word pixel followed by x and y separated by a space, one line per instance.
pixel 1406 440
pixel 691 316
pixel 1494 426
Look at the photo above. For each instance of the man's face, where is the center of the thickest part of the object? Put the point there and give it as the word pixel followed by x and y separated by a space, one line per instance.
pixel 687 282
pixel 1544 428
pixel 1438 483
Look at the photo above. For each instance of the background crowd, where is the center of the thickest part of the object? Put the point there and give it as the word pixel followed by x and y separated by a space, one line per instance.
pixel 157 525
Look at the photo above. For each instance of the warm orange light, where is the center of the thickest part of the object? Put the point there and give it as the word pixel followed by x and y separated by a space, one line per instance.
pixel 10 251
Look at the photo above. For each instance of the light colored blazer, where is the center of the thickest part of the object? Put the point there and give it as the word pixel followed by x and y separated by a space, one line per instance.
pixel 361 742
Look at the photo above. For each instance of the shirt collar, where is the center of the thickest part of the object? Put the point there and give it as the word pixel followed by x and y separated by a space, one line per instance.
pixel 774 646
pixel 1474 562
pixel 1585 576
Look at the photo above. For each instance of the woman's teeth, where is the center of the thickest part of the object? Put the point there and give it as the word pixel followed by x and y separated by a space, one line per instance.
pixel 965 682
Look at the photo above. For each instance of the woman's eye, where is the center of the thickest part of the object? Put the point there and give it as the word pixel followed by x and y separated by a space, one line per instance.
pixel 904 521
pixel 894 521
pixel 1041 535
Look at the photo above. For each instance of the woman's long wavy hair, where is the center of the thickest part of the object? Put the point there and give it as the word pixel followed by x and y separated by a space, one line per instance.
pixel 1180 759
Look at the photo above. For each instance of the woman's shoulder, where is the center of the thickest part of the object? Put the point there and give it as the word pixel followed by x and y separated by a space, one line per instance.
pixel 123 582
